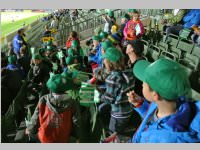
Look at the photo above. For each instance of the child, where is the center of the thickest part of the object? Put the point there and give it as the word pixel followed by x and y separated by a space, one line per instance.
pixel 134 28
pixel 73 36
pixel 114 94
pixel 167 117
pixel 55 114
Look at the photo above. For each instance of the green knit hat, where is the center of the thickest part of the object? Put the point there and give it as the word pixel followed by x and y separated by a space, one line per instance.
pixel 50 43
pixel 59 84
pixel 106 44
pixel 110 13
pixel 126 16
pixel 96 38
pixel 12 59
pixel 74 44
pixel 164 76
pixel 36 56
pixel 112 54
pixel 103 35
pixel 69 60
pixel 132 10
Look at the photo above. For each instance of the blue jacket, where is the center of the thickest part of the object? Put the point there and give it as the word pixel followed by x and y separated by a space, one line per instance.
pixel 97 58
pixel 16 44
pixel 192 18
pixel 182 127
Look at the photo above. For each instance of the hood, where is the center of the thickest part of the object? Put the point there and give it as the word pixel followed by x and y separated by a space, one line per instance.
pixel 59 102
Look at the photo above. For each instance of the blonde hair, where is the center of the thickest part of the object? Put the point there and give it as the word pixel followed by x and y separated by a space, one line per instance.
pixel 119 65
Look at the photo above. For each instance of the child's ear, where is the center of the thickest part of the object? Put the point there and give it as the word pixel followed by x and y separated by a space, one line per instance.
pixel 156 96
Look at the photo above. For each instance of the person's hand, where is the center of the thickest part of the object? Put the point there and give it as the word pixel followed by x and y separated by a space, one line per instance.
pixel 27 131
pixel 133 98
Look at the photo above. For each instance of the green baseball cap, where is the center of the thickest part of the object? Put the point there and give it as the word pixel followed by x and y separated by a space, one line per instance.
pixel 12 59
pixel 36 56
pixel 106 44
pixel 165 77
pixel 112 54
pixel 103 35
pixel 74 44
pixel 49 48
pixel 96 38
pixel 58 83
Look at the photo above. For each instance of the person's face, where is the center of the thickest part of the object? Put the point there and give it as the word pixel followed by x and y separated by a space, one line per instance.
pixel 136 17
pixel 36 61
pixel 129 49
pixel 47 53
pixel 123 20
pixel 147 92
pixel 95 43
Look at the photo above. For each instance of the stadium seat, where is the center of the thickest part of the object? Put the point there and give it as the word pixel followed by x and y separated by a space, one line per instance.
pixel 185 46
pixel 153 53
pixel 195 95
pixel 176 52
pixel 172 40
pixel 168 55
pixel 196 51
pixel 146 45
pixel 191 61
pixel 163 46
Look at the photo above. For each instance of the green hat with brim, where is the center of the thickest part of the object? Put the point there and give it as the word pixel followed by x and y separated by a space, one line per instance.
pixel 113 54
pixel 12 59
pixel 96 38
pixel 59 84
pixel 165 77
pixel 126 16
pixel 49 48
pixel 37 56
pixel 106 44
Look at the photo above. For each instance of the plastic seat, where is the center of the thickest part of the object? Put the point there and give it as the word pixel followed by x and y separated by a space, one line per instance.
pixel 185 46
pixel 196 51
pixel 172 39
pixel 153 53
pixel 190 61
pixel 176 52
pixel 146 45
pixel 168 55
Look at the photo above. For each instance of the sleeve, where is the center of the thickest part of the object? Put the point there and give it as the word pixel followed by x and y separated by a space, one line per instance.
pixel 125 30
pixel 143 108
pixel 112 89
pixel 177 18
pixel 142 30
pixel 33 125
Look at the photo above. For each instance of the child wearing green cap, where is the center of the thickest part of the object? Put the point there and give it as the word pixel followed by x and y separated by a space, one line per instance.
pixel 114 94
pixel 56 113
pixel 168 117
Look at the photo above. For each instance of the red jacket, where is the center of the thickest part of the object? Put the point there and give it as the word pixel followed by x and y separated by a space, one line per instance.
pixel 69 42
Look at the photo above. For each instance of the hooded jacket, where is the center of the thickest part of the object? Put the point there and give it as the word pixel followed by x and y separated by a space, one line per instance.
pixel 54 117
pixel 181 127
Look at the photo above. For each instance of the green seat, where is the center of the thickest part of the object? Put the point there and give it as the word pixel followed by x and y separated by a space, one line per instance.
pixel 184 34
pixel 153 53
pixel 146 45
pixel 176 52
pixel 163 46
pixel 190 61
pixel 168 55
pixel 195 95
pixel 172 40
pixel 196 51
pixel 185 46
